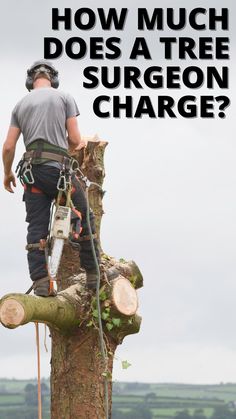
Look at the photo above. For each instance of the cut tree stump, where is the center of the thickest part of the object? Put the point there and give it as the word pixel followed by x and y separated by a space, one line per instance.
pixel 77 368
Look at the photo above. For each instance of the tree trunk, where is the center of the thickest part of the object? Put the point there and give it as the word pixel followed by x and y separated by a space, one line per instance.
pixel 78 371
pixel 77 382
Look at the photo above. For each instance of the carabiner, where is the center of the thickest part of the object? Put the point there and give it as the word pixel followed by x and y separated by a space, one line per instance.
pixel 74 165
pixel 61 184
pixel 28 175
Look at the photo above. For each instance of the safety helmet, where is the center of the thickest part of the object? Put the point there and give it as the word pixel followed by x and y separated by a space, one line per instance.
pixel 42 66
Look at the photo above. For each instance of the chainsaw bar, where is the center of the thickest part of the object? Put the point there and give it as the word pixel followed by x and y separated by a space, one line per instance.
pixel 55 258
pixel 59 232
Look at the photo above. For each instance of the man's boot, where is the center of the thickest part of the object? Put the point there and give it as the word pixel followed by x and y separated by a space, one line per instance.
pixel 41 288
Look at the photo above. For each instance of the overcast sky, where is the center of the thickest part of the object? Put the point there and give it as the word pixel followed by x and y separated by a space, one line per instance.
pixel 170 203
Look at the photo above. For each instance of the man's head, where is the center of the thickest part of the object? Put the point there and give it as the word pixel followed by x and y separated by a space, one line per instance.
pixel 42 69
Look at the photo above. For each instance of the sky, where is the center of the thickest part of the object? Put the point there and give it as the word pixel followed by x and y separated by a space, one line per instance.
pixel 170 200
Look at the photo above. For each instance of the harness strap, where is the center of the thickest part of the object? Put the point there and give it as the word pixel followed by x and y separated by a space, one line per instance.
pixel 39 149
pixel 43 145
pixel 33 246
pixel 35 154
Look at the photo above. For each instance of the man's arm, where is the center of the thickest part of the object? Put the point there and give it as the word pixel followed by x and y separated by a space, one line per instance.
pixel 74 137
pixel 8 153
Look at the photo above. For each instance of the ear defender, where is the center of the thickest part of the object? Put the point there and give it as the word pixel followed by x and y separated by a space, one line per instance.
pixel 55 80
pixel 29 80
pixel 43 66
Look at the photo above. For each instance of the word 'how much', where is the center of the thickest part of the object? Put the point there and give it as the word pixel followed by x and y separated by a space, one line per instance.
pixel 100 48
pixel 175 19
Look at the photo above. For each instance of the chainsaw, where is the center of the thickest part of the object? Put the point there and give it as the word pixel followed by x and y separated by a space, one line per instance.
pixel 66 226
pixel 59 234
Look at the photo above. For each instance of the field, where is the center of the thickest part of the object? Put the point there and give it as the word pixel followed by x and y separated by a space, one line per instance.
pixel 18 400
pixel 165 400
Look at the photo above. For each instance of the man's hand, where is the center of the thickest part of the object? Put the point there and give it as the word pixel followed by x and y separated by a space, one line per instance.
pixel 82 144
pixel 8 153
pixel 9 180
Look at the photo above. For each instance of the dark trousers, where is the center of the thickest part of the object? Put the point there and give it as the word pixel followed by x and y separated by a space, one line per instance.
pixel 38 205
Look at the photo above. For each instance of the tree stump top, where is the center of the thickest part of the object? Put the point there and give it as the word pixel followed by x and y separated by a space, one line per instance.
pixel 11 312
pixel 124 296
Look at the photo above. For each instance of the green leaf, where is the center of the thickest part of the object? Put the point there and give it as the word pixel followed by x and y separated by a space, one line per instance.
pixel 98 354
pixel 103 296
pixel 109 326
pixel 125 365
pixel 105 315
pixel 116 322
pixel 95 313
pixel 89 324
pixel 94 302
pixel 133 279
pixel 107 375
pixel 122 260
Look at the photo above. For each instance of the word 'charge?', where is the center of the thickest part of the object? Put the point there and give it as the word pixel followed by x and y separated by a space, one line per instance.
pixel 187 106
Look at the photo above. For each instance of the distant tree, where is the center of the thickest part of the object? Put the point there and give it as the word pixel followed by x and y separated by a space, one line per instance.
pixel 3 388
pixel 141 412
pixel 31 395
pixel 45 389
pixel 149 397
pixel 183 414
pixel 222 412
pixel 29 387
pixel 117 414
pixel 199 414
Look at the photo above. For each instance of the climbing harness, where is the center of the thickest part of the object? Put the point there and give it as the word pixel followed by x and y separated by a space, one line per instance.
pixel 39 152
pixel 65 219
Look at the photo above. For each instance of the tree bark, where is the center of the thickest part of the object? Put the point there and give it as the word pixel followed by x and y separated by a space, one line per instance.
pixel 78 371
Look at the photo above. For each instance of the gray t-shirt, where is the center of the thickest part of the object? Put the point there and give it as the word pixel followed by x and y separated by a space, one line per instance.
pixel 43 114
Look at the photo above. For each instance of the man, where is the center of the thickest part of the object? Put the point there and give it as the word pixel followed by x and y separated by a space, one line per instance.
pixel 45 117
